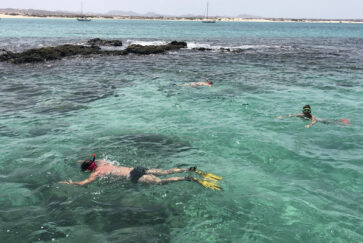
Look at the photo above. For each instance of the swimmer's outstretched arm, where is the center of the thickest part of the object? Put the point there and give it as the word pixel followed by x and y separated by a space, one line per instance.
pixel 290 115
pixel 188 84
pixel 91 178
pixel 182 85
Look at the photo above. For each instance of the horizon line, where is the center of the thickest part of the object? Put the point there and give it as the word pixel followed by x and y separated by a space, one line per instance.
pixel 155 15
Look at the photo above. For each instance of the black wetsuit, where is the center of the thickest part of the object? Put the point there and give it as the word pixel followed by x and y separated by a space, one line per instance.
pixel 136 173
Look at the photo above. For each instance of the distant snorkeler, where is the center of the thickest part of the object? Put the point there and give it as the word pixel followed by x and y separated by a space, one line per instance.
pixel 306 114
pixel 195 84
pixel 140 174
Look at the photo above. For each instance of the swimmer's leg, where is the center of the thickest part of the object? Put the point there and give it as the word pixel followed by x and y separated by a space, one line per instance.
pixel 165 172
pixel 150 179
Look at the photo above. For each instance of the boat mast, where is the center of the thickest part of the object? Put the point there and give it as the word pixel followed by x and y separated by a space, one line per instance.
pixel 207 9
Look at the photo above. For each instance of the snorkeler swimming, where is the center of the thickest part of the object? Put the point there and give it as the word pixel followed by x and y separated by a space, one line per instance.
pixel 140 174
pixel 306 114
pixel 194 84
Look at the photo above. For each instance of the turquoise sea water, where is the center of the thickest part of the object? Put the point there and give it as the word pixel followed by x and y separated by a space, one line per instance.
pixel 282 182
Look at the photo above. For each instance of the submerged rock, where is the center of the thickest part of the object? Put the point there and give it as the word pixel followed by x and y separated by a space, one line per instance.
pixel 100 42
pixel 155 143
pixel 55 53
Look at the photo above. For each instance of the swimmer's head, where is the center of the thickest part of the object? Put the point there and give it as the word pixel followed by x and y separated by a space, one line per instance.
pixel 89 165
pixel 209 82
pixel 345 121
pixel 306 109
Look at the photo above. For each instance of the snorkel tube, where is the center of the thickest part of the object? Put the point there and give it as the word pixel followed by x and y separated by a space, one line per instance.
pixel 93 164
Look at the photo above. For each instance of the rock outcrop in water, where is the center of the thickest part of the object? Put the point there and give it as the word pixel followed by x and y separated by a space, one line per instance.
pixel 146 50
pixel 55 53
pixel 49 53
pixel 100 42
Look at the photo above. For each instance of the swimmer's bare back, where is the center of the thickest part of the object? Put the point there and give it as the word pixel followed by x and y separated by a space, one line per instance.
pixel 105 168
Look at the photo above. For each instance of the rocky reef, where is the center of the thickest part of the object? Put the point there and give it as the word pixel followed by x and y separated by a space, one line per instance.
pixel 93 48
pixel 146 50
pixel 48 53
pixel 100 42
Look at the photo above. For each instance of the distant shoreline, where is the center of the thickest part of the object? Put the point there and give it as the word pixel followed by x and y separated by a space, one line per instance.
pixel 222 19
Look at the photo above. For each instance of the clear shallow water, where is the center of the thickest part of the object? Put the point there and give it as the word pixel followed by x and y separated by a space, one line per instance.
pixel 282 182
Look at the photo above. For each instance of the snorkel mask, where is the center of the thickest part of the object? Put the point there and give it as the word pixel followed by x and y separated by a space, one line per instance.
pixel 306 110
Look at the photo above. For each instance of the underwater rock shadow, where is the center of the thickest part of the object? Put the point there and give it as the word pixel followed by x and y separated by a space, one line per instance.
pixel 7 132
pixel 74 101
pixel 43 129
pixel 59 107
pixel 148 145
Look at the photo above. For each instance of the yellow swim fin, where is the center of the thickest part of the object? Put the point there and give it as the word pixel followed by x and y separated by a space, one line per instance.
pixel 208 176
pixel 207 184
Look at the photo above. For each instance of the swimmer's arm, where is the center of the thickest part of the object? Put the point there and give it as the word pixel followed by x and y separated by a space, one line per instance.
pixel 290 115
pixel 90 179
pixel 313 121
pixel 186 85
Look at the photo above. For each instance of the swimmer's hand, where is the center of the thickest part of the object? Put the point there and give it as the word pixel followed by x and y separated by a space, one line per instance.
pixel 279 117
pixel 307 126
pixel 69 182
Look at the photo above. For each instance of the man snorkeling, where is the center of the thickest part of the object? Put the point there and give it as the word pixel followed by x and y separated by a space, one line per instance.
pixel 140 174
pixel 306 114
pixel 194 84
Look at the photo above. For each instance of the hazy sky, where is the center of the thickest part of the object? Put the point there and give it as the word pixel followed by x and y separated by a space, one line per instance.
pixel 347 9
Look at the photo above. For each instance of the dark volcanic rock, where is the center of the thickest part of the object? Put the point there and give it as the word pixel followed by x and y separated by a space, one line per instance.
pixel 202 49
pixel 59 52
pixel 100 42
pixel 48 53
pixel 146 50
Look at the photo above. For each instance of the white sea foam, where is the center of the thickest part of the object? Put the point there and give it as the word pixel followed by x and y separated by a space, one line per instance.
pixel 196 45
pixel 192 45
pixel 146 43
pixel 109 160
pixel 113 48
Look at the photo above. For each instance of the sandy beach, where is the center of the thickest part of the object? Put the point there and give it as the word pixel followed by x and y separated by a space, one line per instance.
pixel 223 19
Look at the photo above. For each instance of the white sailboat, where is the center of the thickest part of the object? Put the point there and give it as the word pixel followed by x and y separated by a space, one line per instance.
pixel 207 20
pixel 82 17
